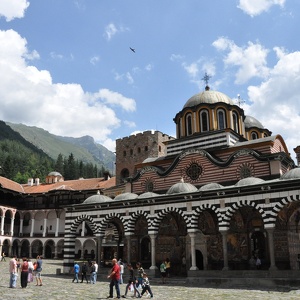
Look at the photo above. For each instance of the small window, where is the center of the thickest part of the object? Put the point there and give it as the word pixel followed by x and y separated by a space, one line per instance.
pixel 124 153
pixel 41 227
pixel 221 119
pixel 146 148
pixel 131 152
pixel 188 125
pixel 159 148
pixel 50 227
pixel 139 150
pixel 254 135
pixel 235 122
pixel 204 121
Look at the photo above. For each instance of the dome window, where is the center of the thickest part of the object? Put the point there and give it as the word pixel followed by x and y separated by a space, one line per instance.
pixel 204 121
pixel 235 122
pixel 221 119
pixel 254 135
pixel 188 125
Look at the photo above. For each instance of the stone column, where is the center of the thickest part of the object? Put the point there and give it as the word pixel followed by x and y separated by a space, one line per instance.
pixel 153 252
pixel 225 251
pixel 128 238
pixel 21 226
pixel 12 222
pixel 193 251
pixel 55 252
pixel 99 244
pixel 82 228
pixel 30 251
pixel 270 232
pixel 45 227
pixel 57 227
pixel 32 227
pixel 2 224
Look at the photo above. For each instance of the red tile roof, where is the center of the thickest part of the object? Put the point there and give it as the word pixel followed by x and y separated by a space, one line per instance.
pixel 71 185
pixel 11 185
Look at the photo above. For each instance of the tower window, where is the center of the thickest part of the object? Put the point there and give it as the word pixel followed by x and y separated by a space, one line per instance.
pixel 131 152
pixel 254 135
pixel 124 153
pixel 221 119
pixel 235 122
pixel 204 121
pixel 139 150
pixel 188 124
pixel 146 148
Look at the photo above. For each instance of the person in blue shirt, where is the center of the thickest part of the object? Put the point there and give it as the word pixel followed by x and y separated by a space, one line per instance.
pixel 76 272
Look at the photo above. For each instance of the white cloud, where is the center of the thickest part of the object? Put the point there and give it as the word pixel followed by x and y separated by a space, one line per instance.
pixel 94 60
pixel 256 7
pixel 11 9
pixel 278 99
pixel 29 96
pixel 130 124
pixel 111 29
pixel 251 60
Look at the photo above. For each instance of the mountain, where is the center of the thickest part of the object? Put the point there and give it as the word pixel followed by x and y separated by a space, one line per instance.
pixel 84 148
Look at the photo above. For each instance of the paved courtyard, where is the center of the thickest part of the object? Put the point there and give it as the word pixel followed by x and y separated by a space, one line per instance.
pixel 61 287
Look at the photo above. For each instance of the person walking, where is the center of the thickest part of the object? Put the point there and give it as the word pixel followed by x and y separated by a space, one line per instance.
pixel 168 266
pixel 13 272
pixel 114 279
pixel 30 271
pixel 24 272
pixel 38 271
pixel 93 273
pixel 131 282
pixel 163 273
pixel 84 270
pixel 3 256
pixel 76 269
pixel 146 286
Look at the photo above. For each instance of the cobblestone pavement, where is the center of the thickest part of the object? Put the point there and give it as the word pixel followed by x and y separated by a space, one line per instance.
pixel 61 287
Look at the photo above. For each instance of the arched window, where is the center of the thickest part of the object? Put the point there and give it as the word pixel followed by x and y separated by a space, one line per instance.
pixel 235 120
pixel 221 119
pixel 254 135
pixel 124 174
pixel 188 125
pixel 204 121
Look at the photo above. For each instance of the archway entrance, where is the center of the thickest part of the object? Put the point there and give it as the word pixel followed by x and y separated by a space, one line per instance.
pixel 199 259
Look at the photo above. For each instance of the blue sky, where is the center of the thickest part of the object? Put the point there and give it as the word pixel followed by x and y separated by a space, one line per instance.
pixel 66 66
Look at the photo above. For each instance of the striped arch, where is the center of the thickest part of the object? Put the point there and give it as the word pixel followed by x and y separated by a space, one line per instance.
pixel 130 225
pixel 280 205
pixel 107 219
pixel 194 218
pixel 157 220
pixel 89 220
pixel 235 206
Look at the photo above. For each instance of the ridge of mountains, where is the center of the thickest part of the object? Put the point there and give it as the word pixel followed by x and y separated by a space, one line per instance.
pixel 83 148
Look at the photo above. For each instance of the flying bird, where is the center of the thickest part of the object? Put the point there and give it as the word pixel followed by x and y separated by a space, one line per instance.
pixel 133 50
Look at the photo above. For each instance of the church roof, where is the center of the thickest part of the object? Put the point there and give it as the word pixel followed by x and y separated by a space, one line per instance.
pixel 209 97
pixel 252 122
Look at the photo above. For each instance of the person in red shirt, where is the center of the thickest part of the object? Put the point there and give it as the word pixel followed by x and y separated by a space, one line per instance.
pixel 114 279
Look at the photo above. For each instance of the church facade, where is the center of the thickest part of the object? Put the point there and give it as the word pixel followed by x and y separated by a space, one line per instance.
pixel 222 191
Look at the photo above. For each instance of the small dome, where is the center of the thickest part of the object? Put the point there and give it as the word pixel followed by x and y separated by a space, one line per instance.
pixel 208 97
pixel 249 181
pixel 182 187
pixel 96 199
pixel 54 173
pixel 126 196
pixel 147 195
pixel 210 186
pixel 292 174
pixel 252 122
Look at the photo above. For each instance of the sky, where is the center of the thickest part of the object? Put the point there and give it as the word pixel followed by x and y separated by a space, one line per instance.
pixel 66 66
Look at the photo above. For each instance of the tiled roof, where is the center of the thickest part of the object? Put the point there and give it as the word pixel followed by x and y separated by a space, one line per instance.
pixel 11 185
pixel 71 185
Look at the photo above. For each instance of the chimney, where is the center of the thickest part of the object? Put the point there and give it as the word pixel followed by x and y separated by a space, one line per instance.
pixel 30 181
pixel 37 181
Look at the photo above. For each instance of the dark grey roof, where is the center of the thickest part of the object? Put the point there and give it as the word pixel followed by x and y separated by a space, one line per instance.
pixel 96 199
pixel 126 196
pixel 249 181
pixel 252 122
pixel 292 174
pixel 210 186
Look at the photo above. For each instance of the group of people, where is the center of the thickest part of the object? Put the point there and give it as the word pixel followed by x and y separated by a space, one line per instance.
pixel 91 268
pixel 133 282
pixel 27 270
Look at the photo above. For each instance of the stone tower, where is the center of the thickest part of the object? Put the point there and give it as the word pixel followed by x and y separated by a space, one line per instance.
pixel 135 149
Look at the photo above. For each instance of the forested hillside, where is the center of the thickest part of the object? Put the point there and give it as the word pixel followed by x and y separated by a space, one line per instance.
pixel 20 160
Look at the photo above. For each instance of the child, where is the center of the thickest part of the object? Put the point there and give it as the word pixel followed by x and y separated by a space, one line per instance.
pixel 131 282
pixel 146 286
